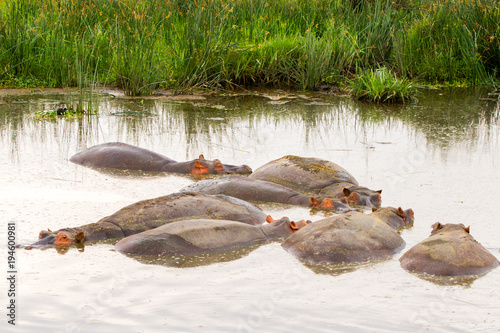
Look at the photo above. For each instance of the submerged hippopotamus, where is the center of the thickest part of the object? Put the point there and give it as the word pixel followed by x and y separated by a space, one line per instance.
pixel 262 191
pixel 449 251
pixel 348 238
pixel 316 176
pixel 203 236
pixel 152 213
pixel 396 218
pixel 119 155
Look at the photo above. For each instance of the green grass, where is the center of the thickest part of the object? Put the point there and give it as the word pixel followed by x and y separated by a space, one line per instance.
pixel 141 45
pixel 382 85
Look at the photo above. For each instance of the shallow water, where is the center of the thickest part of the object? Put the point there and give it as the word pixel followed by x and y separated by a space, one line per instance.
pixel 439 157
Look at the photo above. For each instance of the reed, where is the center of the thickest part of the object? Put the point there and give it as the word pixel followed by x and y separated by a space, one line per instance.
pixel 142 45
pixel 382 85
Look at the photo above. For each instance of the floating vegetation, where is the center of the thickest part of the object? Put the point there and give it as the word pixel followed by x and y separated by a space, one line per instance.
pixel 60 113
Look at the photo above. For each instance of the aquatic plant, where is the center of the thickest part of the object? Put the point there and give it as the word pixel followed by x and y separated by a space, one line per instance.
pixel 381 85
pixel 72 112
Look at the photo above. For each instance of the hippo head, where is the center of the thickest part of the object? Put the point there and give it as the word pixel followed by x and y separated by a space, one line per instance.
pixel 339 206
pixel 282 227
pixel 362 196
pixel 60 237
pixel 438 227
pixel 202 166
pixel 395 217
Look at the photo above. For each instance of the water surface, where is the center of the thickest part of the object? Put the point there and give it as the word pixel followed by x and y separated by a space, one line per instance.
pixel 439 157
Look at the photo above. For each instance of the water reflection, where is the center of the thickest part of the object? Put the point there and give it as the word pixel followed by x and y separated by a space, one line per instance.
pixel 184 261
pixel 444 118
pixel 336 269
pixel 463 281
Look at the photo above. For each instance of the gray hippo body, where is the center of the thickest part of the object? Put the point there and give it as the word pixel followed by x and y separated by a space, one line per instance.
pixel 262 191
pixel 314 176
pixel 347 238
pixel 203 236
pixel 449 251
pixel 118 155
pixel 152 213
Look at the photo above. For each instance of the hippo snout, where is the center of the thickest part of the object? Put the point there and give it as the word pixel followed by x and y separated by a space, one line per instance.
pixel 46 241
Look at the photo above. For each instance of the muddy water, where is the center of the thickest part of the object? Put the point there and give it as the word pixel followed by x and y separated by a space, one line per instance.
pixel 439 156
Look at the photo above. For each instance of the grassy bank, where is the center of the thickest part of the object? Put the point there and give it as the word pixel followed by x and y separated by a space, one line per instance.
pixel 143 45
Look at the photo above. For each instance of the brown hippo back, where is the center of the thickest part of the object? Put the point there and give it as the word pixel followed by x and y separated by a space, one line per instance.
pixel 305 174
pixel 449 251
pixel 203 236
pixel 315 176
pixel 347 238
pixel 152 213
pixel 118 155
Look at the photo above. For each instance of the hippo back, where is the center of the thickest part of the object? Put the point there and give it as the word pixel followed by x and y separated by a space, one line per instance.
pixel 191 237
pixel 152 213
pixel 449 251
pixel 347 238
pixel 120 155
pixel 305 174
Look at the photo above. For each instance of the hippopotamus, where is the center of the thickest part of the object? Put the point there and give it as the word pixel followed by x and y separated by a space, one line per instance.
pixel 120 155
pixel 255 190
pixel 152 213
pixel 450 250
pixel 396 218
pixel 315 176
pixel 348 238
pixel 204 236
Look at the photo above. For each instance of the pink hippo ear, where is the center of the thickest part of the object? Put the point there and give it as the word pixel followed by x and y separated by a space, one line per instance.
pixel 353 198
pixel 201 157
pixel 269 219
pixel 436 226
pixel 294 226
pixel 199 168
pixel 465 228
pixel 379 191
pixel 79 237
pixel 219 166
pixel 401 212
pixel 314 202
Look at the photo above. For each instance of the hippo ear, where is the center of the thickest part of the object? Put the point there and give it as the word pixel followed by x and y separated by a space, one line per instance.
pixel 79 237
pixel 379 191
pixel 374 209
pixel 346 192
pixel 201 157
pixel 294 225
pixel 269 219
pixel 219 166
pixel 314 202
pixel 467 229
pixel 353 198
pixel 199 168
pixel 436 226
pixel 401 212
